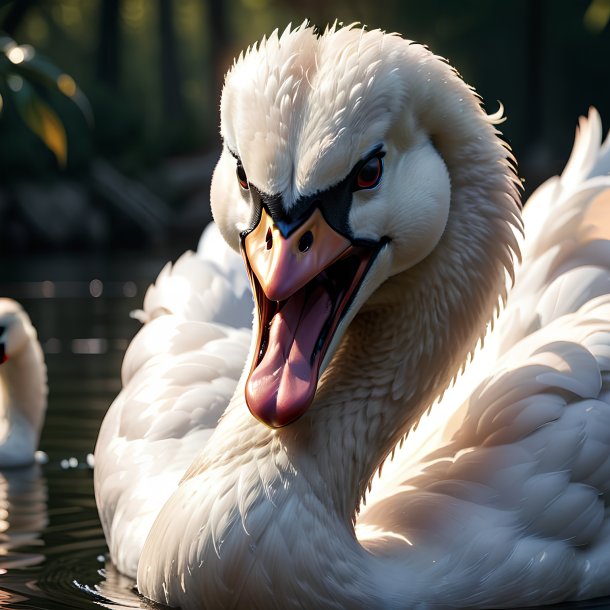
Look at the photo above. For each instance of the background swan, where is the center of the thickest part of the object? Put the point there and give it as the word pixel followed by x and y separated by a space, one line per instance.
pixel 498 497
pixel 23 386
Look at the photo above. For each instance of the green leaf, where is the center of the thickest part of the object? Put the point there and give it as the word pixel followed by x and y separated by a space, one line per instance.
pixel 49 128
pixel 43 121
pixel 37 69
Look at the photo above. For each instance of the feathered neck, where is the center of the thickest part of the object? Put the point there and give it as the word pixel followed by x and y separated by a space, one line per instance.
pixel 271 512
pixel 253 487
pixel 398 356
pixel 268 514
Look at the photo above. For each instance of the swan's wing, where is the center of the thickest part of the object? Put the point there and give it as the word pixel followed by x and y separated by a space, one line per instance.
pixel 510 472
pixel 178 375
pixel 567 247
pixel 211 285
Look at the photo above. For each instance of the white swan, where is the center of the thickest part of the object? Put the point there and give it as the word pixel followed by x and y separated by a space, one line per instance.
pixel 378 213
pixel 23 386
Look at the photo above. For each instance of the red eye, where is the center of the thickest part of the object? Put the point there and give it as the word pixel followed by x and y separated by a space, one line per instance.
pixel 242 178
pixel 370 174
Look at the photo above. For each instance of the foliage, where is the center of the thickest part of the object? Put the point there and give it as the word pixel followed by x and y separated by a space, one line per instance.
pixel 152 72
pixel 31 88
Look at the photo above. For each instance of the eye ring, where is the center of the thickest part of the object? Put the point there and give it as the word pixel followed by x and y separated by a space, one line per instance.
pixel 242 179
pixel 369 174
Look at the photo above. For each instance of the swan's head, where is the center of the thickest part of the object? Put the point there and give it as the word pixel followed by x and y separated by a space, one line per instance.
pixel 342 157
pixel 15 329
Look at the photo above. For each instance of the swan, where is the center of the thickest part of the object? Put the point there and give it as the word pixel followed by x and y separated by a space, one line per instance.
pixel 23 386
pixel 420 414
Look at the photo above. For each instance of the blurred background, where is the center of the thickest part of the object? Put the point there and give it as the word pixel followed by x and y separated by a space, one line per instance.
pixel 109 122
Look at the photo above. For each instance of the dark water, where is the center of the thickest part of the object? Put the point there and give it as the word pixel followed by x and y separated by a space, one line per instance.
pixel 52 549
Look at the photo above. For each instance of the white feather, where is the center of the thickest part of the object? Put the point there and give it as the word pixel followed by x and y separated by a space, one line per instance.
pixel 178 376
pixel 498 495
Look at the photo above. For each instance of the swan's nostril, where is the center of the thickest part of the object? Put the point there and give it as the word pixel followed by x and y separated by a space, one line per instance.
pixel 306 241
pixel 269 239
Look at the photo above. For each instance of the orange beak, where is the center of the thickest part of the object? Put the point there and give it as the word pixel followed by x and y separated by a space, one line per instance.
pixel 302 283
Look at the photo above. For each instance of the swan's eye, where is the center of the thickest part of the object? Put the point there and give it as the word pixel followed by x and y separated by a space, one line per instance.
pixel 241 177
pixel 370 174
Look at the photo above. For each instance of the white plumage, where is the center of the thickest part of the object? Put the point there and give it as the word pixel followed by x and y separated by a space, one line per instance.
pixel 499 496
pixel 178 376
pixel 23 386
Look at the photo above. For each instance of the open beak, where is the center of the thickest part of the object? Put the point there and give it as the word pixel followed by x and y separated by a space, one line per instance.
pixel 303 283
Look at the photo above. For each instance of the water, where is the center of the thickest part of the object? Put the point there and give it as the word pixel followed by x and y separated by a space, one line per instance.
pixel 52 548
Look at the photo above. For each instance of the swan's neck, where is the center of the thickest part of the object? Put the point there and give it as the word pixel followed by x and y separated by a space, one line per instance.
pixel 395 360
pixel 263 509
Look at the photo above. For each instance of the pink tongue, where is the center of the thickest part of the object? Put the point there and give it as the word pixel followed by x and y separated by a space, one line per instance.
pixel 283 385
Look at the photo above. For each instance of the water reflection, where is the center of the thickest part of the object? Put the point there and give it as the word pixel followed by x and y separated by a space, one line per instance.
pixel 23 517
pixel 115 590
pixel 52 548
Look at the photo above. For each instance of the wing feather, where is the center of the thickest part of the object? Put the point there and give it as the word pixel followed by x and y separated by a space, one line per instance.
pixel 515 459
pixel 178 375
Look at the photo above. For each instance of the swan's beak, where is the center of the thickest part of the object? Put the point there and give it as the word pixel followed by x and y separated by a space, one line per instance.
pixel 3 356
pixel 303 283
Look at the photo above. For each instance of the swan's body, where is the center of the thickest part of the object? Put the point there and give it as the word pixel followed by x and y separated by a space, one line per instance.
pixel 499 498
pixel 23 386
